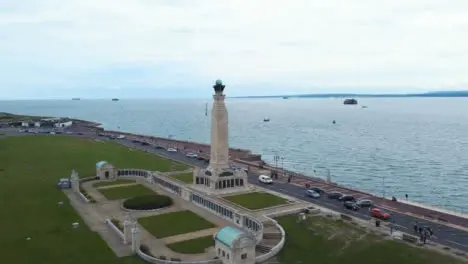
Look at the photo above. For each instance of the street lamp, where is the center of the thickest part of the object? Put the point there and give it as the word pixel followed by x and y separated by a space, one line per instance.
pixel 383 186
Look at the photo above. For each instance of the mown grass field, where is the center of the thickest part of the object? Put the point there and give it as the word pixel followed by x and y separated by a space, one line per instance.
pixel 192 246
pixel 256 200
pixel 29 169
pixel 176 223
pixel 184 177
pixel 124 192
pixel 321 240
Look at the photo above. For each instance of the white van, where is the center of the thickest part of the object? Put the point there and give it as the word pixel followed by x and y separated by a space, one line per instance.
pixel 265 179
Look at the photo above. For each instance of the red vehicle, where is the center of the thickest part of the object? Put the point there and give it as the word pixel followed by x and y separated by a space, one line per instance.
pixel 378 213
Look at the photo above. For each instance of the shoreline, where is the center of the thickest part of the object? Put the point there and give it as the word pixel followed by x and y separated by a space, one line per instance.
pixel 246 157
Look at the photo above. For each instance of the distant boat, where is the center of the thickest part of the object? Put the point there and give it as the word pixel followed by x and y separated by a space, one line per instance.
pixel 350 102
pixel 75 99
pixel 285 97
pixel 115 99
pixel 364 106
pixel 334 122
pixel 266 119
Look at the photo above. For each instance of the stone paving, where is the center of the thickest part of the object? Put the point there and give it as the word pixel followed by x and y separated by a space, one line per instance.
pixel 115 186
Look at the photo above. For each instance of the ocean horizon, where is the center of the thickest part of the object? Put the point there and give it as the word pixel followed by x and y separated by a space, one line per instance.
pixel 396 146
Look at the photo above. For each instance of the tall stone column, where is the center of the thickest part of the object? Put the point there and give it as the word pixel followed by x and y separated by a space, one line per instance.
pixel 127 225
pixel 219 130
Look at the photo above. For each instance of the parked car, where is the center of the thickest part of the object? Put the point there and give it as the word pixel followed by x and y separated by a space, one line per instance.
pixel 120 136
pixel 64 183
pixel 312 193
pixel 265 179
pixel 334 195
pixel 158 147
pixel 172 150
pixel 351 205
pixel 191 155
pixel 379 213
pixel 317 189
pixel 144 143
pixel 346 198
pixel 365 203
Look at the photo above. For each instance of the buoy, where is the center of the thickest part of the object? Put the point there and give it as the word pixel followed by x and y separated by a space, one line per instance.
pixel 334 122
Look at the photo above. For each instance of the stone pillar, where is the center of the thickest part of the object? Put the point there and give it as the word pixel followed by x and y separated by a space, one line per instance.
pixel 135 239
pixel 127 225
pixel 219 158
pixel 75 181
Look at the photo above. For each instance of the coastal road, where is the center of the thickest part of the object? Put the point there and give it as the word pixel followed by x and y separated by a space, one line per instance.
pixel 445 235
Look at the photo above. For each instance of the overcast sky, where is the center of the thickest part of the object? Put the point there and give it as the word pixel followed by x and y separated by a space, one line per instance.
pixel 177 48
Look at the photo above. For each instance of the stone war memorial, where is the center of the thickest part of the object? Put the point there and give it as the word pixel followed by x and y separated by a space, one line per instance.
pixel 219 177
pixel 187 222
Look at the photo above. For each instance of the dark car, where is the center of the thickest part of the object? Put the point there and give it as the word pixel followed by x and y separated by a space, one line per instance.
pixel 158 147
pixel 317 189
pixel 334 195
pixel 365 203
pixel 144 143
pixel 80 134
pixel 347 198
pixel 351 205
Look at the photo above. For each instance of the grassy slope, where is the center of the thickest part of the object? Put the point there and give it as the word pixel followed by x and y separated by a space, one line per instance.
pixel 29 169
pixel 325 241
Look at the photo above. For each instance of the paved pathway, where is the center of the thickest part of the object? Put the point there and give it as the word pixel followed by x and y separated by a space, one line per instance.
pixel 116 186
pixel 96 223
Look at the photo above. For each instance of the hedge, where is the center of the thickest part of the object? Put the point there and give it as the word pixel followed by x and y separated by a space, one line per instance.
pixel 147 202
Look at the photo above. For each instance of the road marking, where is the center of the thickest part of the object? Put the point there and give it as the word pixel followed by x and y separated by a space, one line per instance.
pixel 400 226
pixel 456 243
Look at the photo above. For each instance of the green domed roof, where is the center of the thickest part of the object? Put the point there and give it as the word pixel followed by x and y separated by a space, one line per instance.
pixel 219 82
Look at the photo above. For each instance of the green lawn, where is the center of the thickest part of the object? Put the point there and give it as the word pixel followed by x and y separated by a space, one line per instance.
pixel 335 242
pixel 29 169
pixel 125 192
pixel 184 177
pixel 110 183
pixel 256 200
pixel 171 224
pixel 193 246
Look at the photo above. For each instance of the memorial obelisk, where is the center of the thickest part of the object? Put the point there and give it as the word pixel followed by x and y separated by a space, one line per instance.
pixel 219 177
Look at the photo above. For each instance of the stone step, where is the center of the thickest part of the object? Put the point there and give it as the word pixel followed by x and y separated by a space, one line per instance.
pixel 262 249
pixel 271 235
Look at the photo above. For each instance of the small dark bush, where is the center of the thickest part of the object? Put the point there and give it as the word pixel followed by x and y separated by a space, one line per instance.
pixel 162 257
pixel 148 202
pixel 176 259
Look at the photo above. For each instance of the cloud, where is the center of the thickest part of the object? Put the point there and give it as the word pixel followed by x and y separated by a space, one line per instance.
pixel 286 46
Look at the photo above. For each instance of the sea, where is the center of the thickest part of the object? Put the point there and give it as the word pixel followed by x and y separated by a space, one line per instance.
pixel 395 146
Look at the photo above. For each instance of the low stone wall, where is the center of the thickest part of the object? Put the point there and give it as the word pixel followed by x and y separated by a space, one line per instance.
pixel 191 146
pixel 83 197
pixel 154 260
pixel 115 229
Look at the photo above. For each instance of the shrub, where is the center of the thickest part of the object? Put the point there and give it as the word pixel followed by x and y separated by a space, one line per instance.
pixel 147 202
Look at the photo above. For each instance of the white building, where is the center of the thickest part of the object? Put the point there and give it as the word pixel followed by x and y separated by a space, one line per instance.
pixel 37 124
pixel 64 124
pixel 234 246
pixel 25 124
